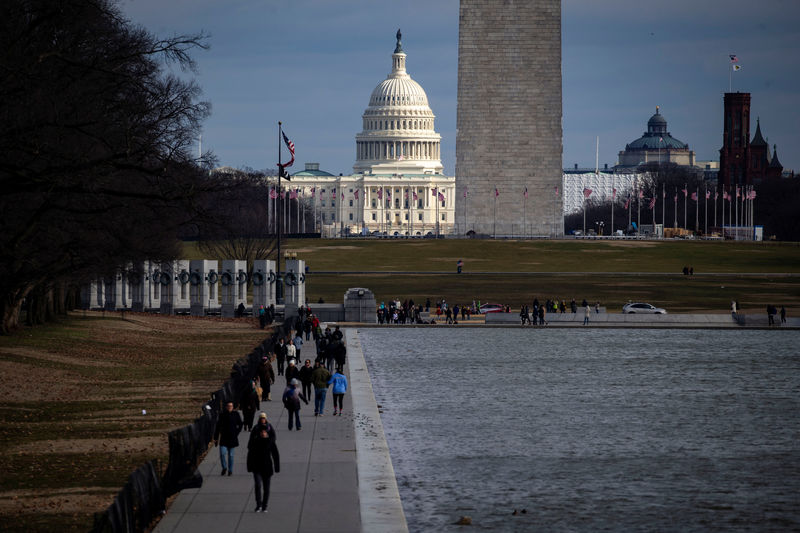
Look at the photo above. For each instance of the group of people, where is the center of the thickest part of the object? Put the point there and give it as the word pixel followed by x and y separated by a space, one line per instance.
pixel 263 458
pixel 536 313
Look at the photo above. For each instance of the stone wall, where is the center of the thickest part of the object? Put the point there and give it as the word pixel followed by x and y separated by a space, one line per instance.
pixel 509 133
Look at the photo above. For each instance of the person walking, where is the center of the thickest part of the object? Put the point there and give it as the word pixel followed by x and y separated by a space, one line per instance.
pixel 263 460
pixel 291 351
pixel 586 313
pixel 292 372
pixel 298 343
pixel 262 423
pixel 291 400
pixel 542 321
pixel 783 315
pixel 320 377
pixel 280 355
pixel 249 404
pixel 266 377
pixel 305 378
pixel 771 314
pixel 226 435
pixel 339 382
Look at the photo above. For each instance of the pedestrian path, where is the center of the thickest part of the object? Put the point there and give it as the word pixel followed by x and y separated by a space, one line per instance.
pixel 336 474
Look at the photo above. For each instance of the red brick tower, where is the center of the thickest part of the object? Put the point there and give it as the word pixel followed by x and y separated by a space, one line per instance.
pixel 734 157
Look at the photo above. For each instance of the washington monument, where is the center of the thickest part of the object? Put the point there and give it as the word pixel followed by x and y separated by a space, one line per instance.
pixel 509 137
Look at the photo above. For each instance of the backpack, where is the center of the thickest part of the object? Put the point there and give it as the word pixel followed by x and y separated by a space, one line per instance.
pixel 289 399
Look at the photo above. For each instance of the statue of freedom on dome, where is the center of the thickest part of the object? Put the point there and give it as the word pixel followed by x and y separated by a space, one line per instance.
pixel 399 47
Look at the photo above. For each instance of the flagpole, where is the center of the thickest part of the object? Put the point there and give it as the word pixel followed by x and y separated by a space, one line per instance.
pixel 675 209
pixel 663 208
pixel 638 209
pixel 705 211
pixel 736 209
pixel 494 223
pixel 685 195
pixel 278 278
pixel 613 204
pixel 697 209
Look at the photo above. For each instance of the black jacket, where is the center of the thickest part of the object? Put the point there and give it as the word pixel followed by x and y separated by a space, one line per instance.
pixel 228 427
pixel 263 456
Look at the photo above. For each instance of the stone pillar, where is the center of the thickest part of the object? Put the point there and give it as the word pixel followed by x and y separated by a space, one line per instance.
pixel 113 292
pixel 233 285
pixel 263 283
pixel 92 295
pixel 138 285
pixel 360 306
pixel 202 293
pixel 295 282
pixel 174 281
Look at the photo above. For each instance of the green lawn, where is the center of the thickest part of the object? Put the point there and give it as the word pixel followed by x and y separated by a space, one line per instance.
pixel 618 271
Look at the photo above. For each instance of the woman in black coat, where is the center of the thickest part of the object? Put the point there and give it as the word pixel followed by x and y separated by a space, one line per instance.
pixel 263 460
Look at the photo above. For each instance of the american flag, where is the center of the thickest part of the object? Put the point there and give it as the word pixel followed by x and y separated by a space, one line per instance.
pixel 293 195
pixel 333 192
pixel 496 192
pixel 355 194
pixel 614 193
pixel 380 193
pixel 525 194
pixel 694 196
pixel 652 203
pixel 441 197
pixel 685 192
pixel 415 195
pixel 587 193
pixel 273 194
pixel 734 59
pixel 290 146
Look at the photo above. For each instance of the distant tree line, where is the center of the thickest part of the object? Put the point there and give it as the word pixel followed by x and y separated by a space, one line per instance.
pixel 776 204
pixel 96 140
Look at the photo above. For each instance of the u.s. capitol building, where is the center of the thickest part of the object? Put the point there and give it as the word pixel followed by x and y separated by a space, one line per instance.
pixel 397 186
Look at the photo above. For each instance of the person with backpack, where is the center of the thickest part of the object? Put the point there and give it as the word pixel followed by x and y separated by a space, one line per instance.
pixel 291 401
pixel 339 382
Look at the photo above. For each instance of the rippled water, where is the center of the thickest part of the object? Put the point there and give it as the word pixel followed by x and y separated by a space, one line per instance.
pixel 588 430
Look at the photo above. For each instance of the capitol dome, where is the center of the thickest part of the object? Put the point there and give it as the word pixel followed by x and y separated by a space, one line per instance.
pixel 398 126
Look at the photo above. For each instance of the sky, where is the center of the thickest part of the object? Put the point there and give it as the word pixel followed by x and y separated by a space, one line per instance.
pixel 313 64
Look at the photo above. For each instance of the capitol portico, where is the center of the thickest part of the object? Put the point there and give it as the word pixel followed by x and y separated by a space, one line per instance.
pixel 397 186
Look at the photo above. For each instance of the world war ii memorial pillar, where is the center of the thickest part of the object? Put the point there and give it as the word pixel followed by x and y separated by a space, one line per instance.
pixel 263 284
pixel 509 135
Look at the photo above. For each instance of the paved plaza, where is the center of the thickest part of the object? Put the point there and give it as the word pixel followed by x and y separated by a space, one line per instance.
pixel 336 474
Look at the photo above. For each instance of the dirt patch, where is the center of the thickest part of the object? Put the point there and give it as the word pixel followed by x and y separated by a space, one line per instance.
pixel 40 383
pixel 152 445
pixel 55 358
pixel 71 500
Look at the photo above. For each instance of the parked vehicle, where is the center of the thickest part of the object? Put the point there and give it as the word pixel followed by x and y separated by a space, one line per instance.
pixel 631 308
pixel 492 308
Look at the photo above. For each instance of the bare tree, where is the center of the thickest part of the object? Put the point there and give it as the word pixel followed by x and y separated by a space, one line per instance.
pixel 96 142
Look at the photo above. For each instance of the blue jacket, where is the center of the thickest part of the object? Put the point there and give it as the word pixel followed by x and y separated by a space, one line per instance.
pixel 339 383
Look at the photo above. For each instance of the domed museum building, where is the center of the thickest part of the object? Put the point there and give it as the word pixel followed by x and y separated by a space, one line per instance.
pixel 397 187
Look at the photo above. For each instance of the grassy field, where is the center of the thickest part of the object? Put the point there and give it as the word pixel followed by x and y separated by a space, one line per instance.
pixel 71 423
pixel 514 272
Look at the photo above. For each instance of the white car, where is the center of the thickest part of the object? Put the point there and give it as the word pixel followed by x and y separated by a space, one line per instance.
pixel 631 308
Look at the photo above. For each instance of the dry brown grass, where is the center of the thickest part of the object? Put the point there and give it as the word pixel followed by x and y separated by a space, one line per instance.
pixel 72 423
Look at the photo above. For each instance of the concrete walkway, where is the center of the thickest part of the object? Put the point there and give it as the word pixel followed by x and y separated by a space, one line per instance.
pixel 336 474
